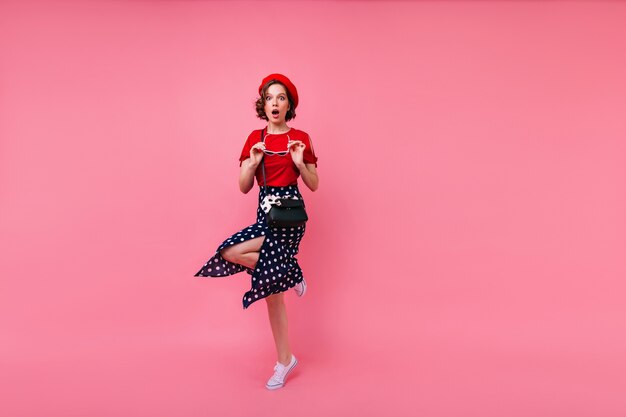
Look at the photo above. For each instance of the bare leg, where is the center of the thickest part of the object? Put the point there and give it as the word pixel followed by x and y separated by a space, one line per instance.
pixel 247 254
pixel 277 312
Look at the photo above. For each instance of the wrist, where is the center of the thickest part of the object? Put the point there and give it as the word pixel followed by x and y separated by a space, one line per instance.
pixel 301 166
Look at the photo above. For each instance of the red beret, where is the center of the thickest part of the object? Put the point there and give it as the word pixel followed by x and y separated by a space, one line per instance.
pixel 284 81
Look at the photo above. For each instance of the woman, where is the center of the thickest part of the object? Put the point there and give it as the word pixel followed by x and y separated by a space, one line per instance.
pixel 267 253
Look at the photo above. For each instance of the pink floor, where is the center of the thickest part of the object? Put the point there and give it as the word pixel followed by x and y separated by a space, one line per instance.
pixel 434 376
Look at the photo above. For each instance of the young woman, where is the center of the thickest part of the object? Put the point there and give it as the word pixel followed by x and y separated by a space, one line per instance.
pixel 268 253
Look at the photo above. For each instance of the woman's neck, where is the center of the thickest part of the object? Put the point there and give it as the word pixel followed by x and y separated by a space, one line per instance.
pixel 276 129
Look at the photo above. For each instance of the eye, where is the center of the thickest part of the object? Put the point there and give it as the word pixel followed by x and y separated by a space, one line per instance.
pixel 268 98
pixel 282 98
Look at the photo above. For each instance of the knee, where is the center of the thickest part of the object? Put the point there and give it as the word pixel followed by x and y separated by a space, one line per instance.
pixel 230 254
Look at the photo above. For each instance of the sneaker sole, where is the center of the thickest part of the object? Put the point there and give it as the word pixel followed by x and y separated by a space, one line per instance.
pixel 303 288
pixel 286 375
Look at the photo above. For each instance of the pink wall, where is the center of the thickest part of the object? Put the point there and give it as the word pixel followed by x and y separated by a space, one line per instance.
pixel 465 255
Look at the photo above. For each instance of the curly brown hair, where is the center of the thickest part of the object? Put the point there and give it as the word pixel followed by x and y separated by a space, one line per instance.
pixel 260 103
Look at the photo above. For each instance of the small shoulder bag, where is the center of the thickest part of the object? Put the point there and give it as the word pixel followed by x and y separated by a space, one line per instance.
pixel 285 212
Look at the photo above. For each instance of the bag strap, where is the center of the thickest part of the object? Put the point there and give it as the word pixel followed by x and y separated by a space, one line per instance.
pixel 263 161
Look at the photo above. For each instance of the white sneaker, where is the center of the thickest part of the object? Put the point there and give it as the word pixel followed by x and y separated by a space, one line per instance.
pixel 300 288
pixel 280 374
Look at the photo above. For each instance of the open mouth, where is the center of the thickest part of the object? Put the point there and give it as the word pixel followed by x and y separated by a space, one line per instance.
pixel 275 112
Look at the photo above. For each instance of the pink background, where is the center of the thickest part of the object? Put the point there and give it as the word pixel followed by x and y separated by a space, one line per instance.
pixel 465 255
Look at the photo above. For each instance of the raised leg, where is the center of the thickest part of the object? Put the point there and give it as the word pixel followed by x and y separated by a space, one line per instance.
pixel 244 253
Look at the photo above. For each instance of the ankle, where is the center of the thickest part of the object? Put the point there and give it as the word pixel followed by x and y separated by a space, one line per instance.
pixel 285 360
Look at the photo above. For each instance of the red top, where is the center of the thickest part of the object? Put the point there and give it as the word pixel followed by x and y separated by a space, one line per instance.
pixel 279 170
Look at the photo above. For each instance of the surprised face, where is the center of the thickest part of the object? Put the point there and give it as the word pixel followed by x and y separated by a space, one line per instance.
pixel 276 103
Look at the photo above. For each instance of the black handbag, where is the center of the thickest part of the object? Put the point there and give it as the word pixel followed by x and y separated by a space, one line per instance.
pixel 286 212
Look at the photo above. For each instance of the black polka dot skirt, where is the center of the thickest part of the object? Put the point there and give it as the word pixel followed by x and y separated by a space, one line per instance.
pixel 277 269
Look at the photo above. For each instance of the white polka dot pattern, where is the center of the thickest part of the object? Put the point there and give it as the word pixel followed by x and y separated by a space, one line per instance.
pixel 277 269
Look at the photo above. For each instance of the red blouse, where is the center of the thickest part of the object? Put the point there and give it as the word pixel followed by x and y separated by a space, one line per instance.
pixel 279 170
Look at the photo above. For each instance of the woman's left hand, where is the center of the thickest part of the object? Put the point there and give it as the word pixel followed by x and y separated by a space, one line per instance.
pixel 296 149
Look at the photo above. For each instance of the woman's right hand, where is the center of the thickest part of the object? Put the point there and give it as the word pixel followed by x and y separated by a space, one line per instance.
pixel 256 153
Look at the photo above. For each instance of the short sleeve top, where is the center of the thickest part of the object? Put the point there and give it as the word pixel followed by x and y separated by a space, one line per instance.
pixel 280 171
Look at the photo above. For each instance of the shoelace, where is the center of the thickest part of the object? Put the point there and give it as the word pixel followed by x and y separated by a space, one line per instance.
pixel 279 372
